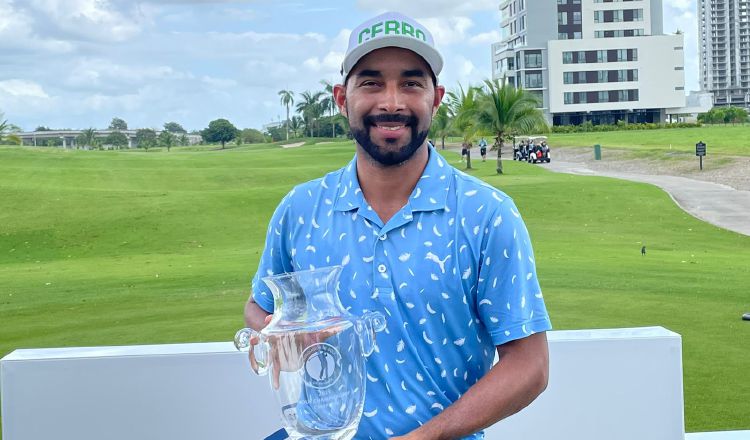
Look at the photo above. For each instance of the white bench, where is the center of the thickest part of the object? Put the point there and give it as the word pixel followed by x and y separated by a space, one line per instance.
pixel 619 384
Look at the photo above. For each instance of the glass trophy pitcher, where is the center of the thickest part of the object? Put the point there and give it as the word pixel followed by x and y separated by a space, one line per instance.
pixel 314 352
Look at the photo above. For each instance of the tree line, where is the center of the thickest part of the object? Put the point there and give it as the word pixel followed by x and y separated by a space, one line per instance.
pixel 724 115
pixel 491 109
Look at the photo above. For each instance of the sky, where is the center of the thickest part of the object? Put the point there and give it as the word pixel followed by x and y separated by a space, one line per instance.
pixel 78 63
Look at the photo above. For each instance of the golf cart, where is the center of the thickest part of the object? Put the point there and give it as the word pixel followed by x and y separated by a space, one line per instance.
pixel 521 146
pixel 538 150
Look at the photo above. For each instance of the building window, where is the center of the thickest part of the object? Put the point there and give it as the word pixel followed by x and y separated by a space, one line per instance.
pixel 539 97
pixel 534 80
pixel 568 97
pixel 567 57
pixel 568 78
pixel 532 59
pixel 562 18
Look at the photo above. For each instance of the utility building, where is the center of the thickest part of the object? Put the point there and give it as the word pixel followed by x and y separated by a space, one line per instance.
pixel 592 60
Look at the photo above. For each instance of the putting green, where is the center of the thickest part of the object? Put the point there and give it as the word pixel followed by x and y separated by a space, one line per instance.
pixel 130 247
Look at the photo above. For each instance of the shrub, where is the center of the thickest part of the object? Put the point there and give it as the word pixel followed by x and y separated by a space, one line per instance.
pixel 588 126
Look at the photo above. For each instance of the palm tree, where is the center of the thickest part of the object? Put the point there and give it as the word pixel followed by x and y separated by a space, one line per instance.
pixel 87 138
pixel 463 105
pixel 296 124
pixel 310 109
pixel 287 99
pixel 328 103
pixel 441 125
pixel 504 109
pixel 6 128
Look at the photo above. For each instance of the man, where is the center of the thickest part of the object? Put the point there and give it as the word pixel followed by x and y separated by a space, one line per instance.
pixel 444 256
pixel 483 149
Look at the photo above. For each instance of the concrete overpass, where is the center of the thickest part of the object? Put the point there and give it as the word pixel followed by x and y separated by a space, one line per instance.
pixel 68 137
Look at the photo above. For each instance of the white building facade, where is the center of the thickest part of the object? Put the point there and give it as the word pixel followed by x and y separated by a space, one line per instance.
pixel 725 50
pixel 592 60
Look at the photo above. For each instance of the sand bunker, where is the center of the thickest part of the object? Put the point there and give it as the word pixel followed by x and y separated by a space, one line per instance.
pixel 297 144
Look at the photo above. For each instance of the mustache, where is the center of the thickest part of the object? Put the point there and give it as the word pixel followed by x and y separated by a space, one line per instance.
pixel 388 117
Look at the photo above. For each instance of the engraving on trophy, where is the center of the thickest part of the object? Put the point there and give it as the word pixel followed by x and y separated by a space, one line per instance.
pixel 322 365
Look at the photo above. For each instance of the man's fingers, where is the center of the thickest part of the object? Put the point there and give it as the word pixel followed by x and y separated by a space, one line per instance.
pixel 254 340
pixel 253 361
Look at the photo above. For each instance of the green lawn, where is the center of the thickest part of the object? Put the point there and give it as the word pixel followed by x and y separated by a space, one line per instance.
pixel 131 247
pixel 719 139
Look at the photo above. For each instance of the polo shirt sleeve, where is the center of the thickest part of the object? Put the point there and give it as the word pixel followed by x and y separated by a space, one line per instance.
pixel 276 258
pixel 509 299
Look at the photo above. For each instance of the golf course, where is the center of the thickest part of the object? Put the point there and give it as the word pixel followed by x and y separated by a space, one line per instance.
pixel 150 247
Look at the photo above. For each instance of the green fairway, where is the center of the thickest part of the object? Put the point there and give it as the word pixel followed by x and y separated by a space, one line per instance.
pixel 720 139
pixel 133 247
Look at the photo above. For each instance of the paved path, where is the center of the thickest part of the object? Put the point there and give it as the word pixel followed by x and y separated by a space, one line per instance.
pixel 717 204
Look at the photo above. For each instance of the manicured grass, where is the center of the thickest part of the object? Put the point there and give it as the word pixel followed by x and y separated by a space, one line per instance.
pixel 128 247
pixel 719 139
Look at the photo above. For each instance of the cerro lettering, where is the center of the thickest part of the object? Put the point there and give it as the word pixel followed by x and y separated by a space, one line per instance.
pixel 391 27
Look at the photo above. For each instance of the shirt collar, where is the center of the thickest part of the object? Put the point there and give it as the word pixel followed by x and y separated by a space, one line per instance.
pixel 430 194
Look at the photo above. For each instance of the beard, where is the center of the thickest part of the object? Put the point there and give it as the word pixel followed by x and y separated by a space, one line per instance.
pixel 381 154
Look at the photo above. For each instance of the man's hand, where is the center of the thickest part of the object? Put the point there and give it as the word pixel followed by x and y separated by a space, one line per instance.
pixel 286 350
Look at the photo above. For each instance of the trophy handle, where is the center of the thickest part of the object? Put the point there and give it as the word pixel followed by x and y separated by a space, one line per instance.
pixel 260 350
pixel 370 323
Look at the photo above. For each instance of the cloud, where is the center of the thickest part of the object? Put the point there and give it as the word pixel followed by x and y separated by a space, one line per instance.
pixel 102 73
pixel 21 88
pixel 268 72
pixel 219 83
pixel 448 30
pixel 485 38
pixel 16 34
pixel 330 63
pixel 682 5
pixel 191 2
pixel 429 9
pixel 93 20
pixel 265 37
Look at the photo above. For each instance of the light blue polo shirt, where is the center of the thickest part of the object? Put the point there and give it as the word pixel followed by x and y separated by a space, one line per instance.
pixel 453 272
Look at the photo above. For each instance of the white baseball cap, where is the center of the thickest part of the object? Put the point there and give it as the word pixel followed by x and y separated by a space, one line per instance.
pixel 391 30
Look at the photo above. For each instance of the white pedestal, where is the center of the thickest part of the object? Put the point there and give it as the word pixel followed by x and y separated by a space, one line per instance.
pixel 621 384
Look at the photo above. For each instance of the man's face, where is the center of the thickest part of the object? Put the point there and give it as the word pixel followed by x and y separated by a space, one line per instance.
pixel 390 100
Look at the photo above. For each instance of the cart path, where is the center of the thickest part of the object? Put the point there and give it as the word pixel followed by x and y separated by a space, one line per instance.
pixel 720 205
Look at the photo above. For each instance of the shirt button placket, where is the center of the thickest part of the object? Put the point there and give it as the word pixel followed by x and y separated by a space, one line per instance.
pixel 382 269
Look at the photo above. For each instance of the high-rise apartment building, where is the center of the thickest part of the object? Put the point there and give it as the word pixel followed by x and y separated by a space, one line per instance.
pixel 725 50
pixel 592 60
